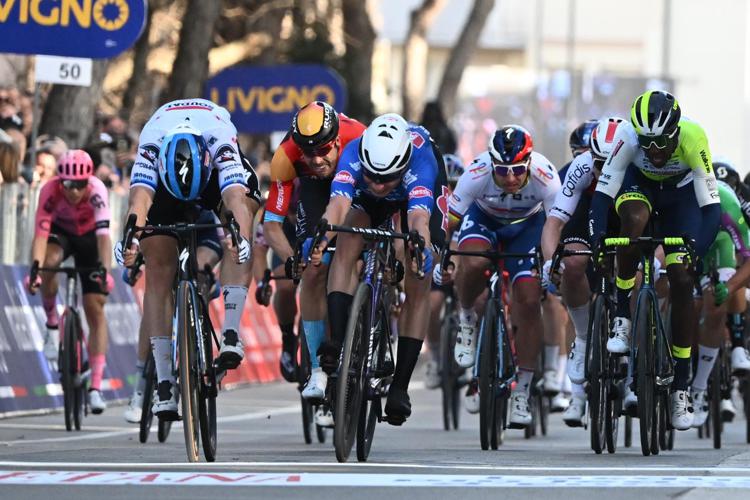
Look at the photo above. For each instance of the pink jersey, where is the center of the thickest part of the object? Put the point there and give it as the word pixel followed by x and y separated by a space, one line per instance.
pixel 91 213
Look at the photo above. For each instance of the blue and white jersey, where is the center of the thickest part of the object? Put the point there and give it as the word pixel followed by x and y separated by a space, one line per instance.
pixel 416 186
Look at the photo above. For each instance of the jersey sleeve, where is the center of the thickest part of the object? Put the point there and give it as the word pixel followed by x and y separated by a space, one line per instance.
pixel 348 173
pixel 282 186
pixel 425 168
pixel 548 175
pixel 733 221
pixel 45 210
pixel 576 180
pixel 467 188
pixel 698 158
pixel 144 172
pixel 226 156
pixel 613 172
pixel 99 200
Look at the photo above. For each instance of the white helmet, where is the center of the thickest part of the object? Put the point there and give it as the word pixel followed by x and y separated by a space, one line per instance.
pixel 385 147
pixel 603 136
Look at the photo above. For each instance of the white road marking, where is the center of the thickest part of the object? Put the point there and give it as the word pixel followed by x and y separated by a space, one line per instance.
pixel 56 427
pixel 367 480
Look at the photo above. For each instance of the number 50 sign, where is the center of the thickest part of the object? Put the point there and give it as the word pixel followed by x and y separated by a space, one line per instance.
pixel 63 70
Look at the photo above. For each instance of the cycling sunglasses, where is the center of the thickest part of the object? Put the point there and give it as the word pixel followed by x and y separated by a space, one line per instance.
pixel 518 169
pixel 383 179
pixel 659 141
pixel 71 184
pixel 320 151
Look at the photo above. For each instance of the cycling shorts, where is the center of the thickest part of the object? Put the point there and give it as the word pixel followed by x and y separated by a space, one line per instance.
pixel 85 253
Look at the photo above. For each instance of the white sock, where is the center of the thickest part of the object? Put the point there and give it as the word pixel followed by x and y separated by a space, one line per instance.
pixel 580 318
pixel 562 363
pixel 162 349
pixel 468 316
pixel 577 391
pixel 567 385
pixel 523 378
pixel 706 359
pixel 551 353
pixel 234 302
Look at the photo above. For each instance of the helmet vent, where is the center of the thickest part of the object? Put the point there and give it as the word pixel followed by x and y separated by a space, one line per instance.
pixel 385 134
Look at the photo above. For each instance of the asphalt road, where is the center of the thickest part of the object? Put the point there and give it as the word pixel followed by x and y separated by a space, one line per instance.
pixel 262 455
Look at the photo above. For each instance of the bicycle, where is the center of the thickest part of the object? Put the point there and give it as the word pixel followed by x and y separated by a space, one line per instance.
pixel 654 365
pixel 366 366
pixel 73 364
pixel 451 375
pixel 496 369
pixel 192 335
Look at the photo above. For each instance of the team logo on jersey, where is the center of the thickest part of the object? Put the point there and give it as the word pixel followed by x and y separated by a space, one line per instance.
pixel 417 139
pixel 442 204
pixel 614 151
pixel 420 192
pixel 409 178
pixel 96 201
pixel 225 154
pixel 150 152
pixel 345 177
pixel 542 175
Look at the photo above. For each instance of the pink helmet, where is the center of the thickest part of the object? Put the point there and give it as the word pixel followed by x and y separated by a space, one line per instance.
pixel 75 164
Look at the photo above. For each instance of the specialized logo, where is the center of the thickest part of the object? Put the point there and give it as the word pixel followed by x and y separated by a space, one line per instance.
pixel 183 172
pixel 345 177
pixel 420 192
pixel 183 258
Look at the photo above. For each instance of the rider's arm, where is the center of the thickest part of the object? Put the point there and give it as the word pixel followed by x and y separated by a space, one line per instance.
pixel 551 235
pixel 277 206
pixel 706 192
pixel 336 211
pixel 140 201
pixel 99 200
pixel 104 245
pixel 419 221
pixel 343 186
pixel 234 198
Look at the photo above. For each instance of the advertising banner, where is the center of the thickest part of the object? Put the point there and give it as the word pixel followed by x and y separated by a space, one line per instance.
pixel 263 99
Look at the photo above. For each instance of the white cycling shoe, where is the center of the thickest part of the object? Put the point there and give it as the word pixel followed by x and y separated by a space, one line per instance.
pixel 51 344
pixel 96 402
pixel 577 362
pixel 432 375
pixel 560 402
pixel 550 383
pixel 619 342
pixel 465 348
pixel 727 410
pixel 700 407
pixel 740 360
pixel 316 386
pixel 134 409
pixel 471 399
pixel 520 413
pixel 231 350
pixel 324 417
pixel 630 402
pixel 573 415
pixel 682 414
pixel 165 404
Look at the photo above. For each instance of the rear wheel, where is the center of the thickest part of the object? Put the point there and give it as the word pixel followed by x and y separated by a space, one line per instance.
pixel 186 337
pixel 488 378
pixel 645 333
pixel 351 379
pixel 147 415
pixel 598 383
pixel 745 385
pixel 614 407
pixel 448 381
pixel 67 367
pixel 207 392
pixel 303 372
pixel 714 389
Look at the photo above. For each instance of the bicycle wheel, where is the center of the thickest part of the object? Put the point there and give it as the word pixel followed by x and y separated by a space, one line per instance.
pixel 67 363
pixel 745 387
pixel 645 333
pixel 501 416
pixel 598 391
pixel 544 404
pixel 147 415
pixel 207 391
pixel 303 372
pixel 352 372
pixel 448 381
pixel 488 378
pixel 372 402
pixel 165 426
pixel 368 419
pixel 714 406
pixel 614 406
pixel 79 383
pixel 186 339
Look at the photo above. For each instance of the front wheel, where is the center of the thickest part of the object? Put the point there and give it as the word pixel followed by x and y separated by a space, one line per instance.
pixel 186 340
pixel 598 384
pixel 645 333
pixel 147 416
pixel 488 379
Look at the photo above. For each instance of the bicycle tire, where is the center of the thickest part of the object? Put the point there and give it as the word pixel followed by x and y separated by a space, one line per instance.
pixel 745 386
pixel 714 390
pixel 366 428
pixel 614 407
pixel 627 438
pixel 646 382
pixel 79 384
pixel 66 369
pixel 147 415
pixel 187 370
pixel 372 403
pixel 162 432
pixel 544 404
pixel 303 372
pixel 598 393
pixel 487 378
pixel 501 416
pixel 447 380
pixel 350 390
pixel 207 392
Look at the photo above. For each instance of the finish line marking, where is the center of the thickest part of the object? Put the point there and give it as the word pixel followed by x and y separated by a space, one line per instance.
pixel 366 480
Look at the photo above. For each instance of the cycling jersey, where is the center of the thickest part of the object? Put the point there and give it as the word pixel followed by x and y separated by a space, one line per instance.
pixel 288 163
pixel 477 185
pixel 215 125
pixel 733 237
pixel 691 156
pixel 90 214
pixel 578 179
pixel 417 184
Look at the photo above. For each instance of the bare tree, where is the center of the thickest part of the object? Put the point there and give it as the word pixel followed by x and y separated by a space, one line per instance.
pixel 359 37
pixel 415 57
pixel 461 53
pixel 196 36
pixel 70 112
pixel 140 67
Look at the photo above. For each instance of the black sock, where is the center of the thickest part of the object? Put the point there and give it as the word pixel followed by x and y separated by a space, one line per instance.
pixel 736 323
pixel 682 374
pixel 406 360
pixel 339 308
pixel 288 339
pixel 622 309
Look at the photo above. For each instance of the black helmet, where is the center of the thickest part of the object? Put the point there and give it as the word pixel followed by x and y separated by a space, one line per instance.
pixel 655 113
pixel 315 125
pixel 580 138
pixel 510 144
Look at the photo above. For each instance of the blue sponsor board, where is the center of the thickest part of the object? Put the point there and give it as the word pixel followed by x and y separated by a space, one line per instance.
pixel 74 28
pixel 263 99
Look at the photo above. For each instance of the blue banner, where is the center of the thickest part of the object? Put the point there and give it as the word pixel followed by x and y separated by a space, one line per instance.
pixel 263 99
pixel 73 28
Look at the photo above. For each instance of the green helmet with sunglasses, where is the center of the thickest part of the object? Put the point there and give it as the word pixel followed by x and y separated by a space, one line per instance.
pixel 655 115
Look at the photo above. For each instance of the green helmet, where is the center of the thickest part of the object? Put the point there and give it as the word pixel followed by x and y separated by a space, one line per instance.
pixel 655 113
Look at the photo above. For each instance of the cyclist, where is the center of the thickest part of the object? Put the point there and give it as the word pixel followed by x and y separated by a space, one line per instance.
pixel 73 219
pixel 454 168
pixel 655 160
pixel 188 157
pixel 720 259
pixel 502 198
pixel 310 153
pixel 394 168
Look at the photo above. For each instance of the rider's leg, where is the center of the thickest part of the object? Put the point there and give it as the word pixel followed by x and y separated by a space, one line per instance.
pixel 313 305
pixel 93 306
pixel 554 319
pixel 235 279
pixel 527 327
pixel 52 258
pixel 577 295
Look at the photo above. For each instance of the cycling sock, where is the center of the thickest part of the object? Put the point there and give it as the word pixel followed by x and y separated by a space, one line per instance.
pixel 315 333
pixel 567 385
pixel 624 287
pixel 580 317
pixel 468 316
pixel 562 364
pixel 577 391
pixel 339 306
pixel 50 309
pixel 97 362
pixel 234 302
pixel 551 353
pixel 736 324
pixel 162 349
pixel 288 338
pixel 140 379
pixel 706 359
pixel 406 360
pixel 681 368
pixel 524 377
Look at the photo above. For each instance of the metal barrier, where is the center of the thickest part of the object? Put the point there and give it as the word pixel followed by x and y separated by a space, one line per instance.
pixel 18 203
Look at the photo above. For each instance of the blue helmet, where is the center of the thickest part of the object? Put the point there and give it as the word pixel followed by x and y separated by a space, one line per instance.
pixel 454 167
pixel 184 162
pixel 580 138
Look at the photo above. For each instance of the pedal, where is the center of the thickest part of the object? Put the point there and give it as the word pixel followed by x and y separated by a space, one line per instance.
pixel 397 420
pixel 385 370
pixel 512 425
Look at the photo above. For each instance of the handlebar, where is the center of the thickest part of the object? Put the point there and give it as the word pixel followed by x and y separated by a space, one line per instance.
pixel 70 271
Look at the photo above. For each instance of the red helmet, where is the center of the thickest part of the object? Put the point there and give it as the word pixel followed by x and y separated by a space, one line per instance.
pixel 76 165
